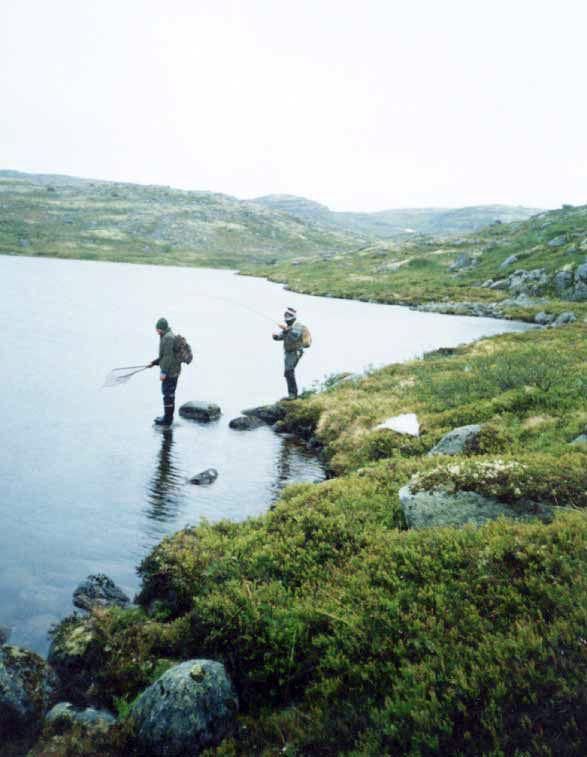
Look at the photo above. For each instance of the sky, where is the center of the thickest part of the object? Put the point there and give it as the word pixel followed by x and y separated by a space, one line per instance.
pixel 361 106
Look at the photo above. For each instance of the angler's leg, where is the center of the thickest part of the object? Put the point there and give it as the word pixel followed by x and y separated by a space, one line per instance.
pixel 168 387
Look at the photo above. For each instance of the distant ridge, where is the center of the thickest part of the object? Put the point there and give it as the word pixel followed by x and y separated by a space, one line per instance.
pixel 385 224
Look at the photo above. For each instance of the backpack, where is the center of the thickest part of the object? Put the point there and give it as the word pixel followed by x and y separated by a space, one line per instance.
pixel 306 338
pixel 182 349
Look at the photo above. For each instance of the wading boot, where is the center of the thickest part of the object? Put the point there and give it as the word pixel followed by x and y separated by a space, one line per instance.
pixel 167 418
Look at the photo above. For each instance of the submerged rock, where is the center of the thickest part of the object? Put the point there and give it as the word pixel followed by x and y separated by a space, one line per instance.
pixel 191 707
pixel 245 423
pixel 28 688
pixel 99 591
pixel 205 477
pixel 428 509
pixel 455 441
pixel 200 411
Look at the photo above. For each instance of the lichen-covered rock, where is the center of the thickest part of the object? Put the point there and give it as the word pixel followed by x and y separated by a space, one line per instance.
pixel 191 707
pixel 28 688
pixel 544 319
pixel 99 591
pixel 200 411
pixel 563 280
pixel 455 441
pixel 66 713
pixel 565 318
pixel 75 655
pixel 429 509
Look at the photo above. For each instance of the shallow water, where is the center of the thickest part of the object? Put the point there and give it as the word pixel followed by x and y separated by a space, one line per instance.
pixel 88 484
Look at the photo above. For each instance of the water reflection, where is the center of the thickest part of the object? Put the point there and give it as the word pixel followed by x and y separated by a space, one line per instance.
pixel 165 495
pixel 294 464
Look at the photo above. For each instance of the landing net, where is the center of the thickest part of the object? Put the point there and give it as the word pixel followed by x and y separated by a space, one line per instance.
pixel 122 375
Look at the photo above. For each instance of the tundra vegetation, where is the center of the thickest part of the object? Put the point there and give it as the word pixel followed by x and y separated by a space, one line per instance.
pixel 344 631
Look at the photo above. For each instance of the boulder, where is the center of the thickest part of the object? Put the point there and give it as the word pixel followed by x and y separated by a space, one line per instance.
pixel 565 318
pixel 245 423
pixel 65 713
pixel 191 707
pixel 75 654
pixel 529 282
pixel 563 280
pixel 406 423
pixel 454 442
pixel 267 413
pixel 500 284
pixel 429 509
pixel 5 632
pixel 509 261
pixel 99 591
pixel 200 411
pixel 28 689
pixel 543 319
pixel 557 242
pixel 205 478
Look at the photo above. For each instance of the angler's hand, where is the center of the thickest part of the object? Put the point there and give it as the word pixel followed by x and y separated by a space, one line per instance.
pixel 163 376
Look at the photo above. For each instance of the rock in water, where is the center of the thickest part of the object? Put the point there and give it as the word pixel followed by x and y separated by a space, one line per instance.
pixel 191 707
pixel 27 689
pixel 245 423
pixel 267 413
pixel 99 591
pixel 200 411
pixel 205 477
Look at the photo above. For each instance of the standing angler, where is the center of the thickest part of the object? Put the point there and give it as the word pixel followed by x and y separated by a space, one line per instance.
pixel 295 337
pixel 170 367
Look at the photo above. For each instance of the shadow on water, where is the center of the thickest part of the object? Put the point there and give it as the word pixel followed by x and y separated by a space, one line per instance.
pixel 295 463
pixel 165 491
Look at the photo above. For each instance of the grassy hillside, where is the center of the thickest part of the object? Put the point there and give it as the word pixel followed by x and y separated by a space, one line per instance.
pixel 398 224
pixel 468 268
pixel 93 220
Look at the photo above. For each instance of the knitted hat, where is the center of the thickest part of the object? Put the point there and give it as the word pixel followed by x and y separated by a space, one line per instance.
pixel 290 314
pixel 162 324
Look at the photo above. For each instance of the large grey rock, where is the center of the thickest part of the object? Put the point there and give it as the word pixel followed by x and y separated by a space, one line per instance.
pixel 200 411
pixel 75 655
pixel 500 284
pixel 191 707
pixel 565 318
pixel 454 442
pixel 544 319
pixel 99 591
pixel 267 413
pixel 557 242
pixel 508 262
pixel 429 509
pixel 245 423
pixel 28 689
pixel 563 280
pixel 529 282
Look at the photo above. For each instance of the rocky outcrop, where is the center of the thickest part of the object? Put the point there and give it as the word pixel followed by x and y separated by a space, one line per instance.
pixel 455 442
pixel 477 309
pixel 99 591
pixel 28 688
pixel 508 262
pixel 440 507
pixel 200 411
pixel 191 707
pixel 74 654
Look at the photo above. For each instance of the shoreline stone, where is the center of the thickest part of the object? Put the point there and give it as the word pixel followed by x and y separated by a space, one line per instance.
pixel 200 411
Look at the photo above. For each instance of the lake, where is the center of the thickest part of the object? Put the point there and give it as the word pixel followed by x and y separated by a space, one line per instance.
pixel 88 484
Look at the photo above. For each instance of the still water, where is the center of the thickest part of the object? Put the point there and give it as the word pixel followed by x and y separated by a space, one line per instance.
pixel 87 484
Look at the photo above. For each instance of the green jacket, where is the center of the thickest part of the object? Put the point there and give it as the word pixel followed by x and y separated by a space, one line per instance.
pixel 292 337
pixel 168 361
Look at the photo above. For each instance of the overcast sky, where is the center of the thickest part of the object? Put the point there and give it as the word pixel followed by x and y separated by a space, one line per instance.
pixel 360 105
